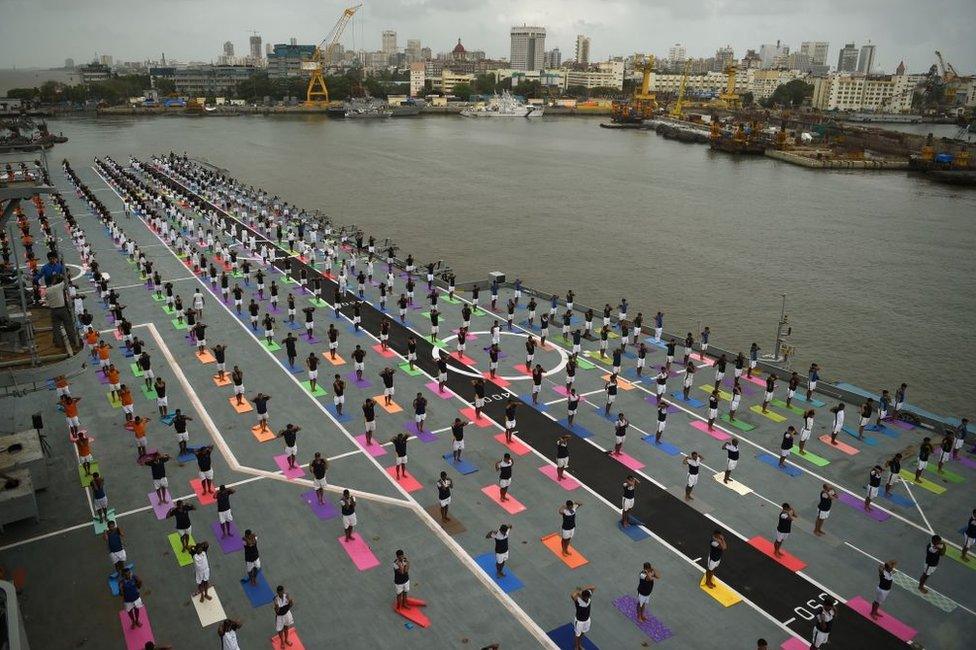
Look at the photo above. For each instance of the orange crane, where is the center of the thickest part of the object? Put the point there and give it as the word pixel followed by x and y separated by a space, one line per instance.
pixel 317 93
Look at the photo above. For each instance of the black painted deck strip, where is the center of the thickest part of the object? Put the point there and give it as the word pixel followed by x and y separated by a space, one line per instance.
pixel 768 584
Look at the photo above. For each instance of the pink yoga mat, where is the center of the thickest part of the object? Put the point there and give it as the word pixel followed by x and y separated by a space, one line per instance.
pixel 715 433
pixel 561 390
pixel 359 552
pixel 754 380
pixel 510 505
pixel 282 463
pixel 515 446
pixel 794 643
pixel 373 449
pixel 568 482
pixel 136 639
pixel 886 622
pixel 408 482
pixel 627 461
pixel 433 386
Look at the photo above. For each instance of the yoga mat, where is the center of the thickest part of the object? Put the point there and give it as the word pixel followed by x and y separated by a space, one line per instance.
pixel 574 560
pixel 345 417
pixel 747 390
pixel 161 509
pixel 721 394
pixel 182 557
pixel 733 484
pixel 577 430
pixel 627 461
pixel 721 592
pixel 691 401
pixel 434 387
pixel 945 474
pixel 412 613
pixel 812 402
pixel 149 393
pixel 966 462
pixel 497 380
pixel 393 407
pixel 113 579
pixel 425 435
pixel 274 346
pixel 263 435
pixel 897 499
pixel 583 364
pixel 168 419
pixel 886 621
pixel 718 434
pixel 136 639
pixel 771 415
pixel 765 546
pixel 926 484
pixel 86 479
pixel 318 392
pixel 565 638
pixel 375 450
pixel 359 552
pixel 179 325
pixel 358 383
pixel 321 510
pixel 259 594
pixel 737 423
pixel 794 643
pixel 508 583
pixel 600 410
pixel 753 380
pixel 99 526
pixel 387 353
pixel 858 504
pixel 664 446
pixel 568 482
pixel 839 446
pixel 453 527
pixel 230 544
pixel 209 611
pixel 405 367
pixel 773 461
pixel 954 553
pixel 205 357
pixel 810 456
pixel 560 390
pixel 205 498
pixel 652 627
pixel 622 384
pixel 634 530
pixel 338 361
pixel 136 370
pixel 462 466
pixel 113 401
pixel 296 643
pixel 868 440
pixel 527 400
pixel 222 382
pixel 408 482
pixel 243 407
pixel 282 462
pixel 102 379
pixel 511 505
pixel 901 424
pixel 515 446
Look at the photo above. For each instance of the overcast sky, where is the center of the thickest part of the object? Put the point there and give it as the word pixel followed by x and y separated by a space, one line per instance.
pixel 45 32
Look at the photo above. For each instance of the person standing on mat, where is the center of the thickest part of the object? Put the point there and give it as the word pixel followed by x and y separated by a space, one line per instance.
pixel 359 358
pixel 813 376
pixel 568 513
pixel 616 359
pixel 661 383
pixel 712 408
pixel 572 404
pixel 562 455
pixel 338 394
pixel 479 396
pixel 900 394
pixel 716 547
pixel 619 434
pixel 434 324
pixel 318 466
pixel 510 409
pixel 224 514
pixel 291 351
pixel 237 376
pixel 419 411
pixel 290 436
pixel 369 417
pixel 720 366
pixel 786 445
pixel 886 578
pixel 333 335
pixel 669 353
pixel 924 451
pixel 201 568
pixel 893 465
pixel 694 465
pixel 641 359
pixel 933 553
pixel 157 466
pixel 968 537
pixel 312 363
pixel 783 527
pixel 866 410
pixel 537 373
pixel 610 388
pixel 268 322
pixel 139 426
pixel 401 579
pixel 179 426
pixel 113 537
pixel 129 587
pixel 768 395
pixel 884 404
pixel 284 620
pixel 731 448
pixel 688 348
pixel 874 484
pixel 827 497
pixel 261 408
pixel 347 507
pixel 753 359
pixel 627 500
pixel 227 633
pixel 838 423
pixel 411 351
pixel 400 446
pixel 181 512
pixel 945 451
pixel 388 390
pixel 688 381
pixel 457 430
pixel 205 467
pixel 960 438
pixel 582 598
pixel 822 624
pixel 501 547
pixel 662 420
pixel 441 370
pixel 791 387
pixel 504 469
pixel 645 585
pixel 444 487
pixel 806 430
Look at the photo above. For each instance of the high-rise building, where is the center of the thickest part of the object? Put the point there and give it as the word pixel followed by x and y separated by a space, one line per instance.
pixel 724 57
pixel 293 41
pixel 677 54
pixel 69 64
pixel 847 59
pixel 255 42
pixel 105 59
pixel 528 47
pixel 553 58
pixel 816 51
pixel 865 61
pixel 389 41
pixel 228 48
pixel 582 50
pixel 772 55
pixel 413 50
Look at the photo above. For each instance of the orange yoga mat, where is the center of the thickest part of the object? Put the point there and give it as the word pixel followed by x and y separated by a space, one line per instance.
pixel 205 357
pixel 243 407
pixel 225 382
pixel 263 435
pixel 338 361
pixel 554 543
pixel 381 402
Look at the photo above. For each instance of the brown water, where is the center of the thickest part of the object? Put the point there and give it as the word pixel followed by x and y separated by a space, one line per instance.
pixel 878 268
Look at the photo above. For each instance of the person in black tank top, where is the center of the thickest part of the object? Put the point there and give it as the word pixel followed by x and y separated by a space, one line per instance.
pixel 645 585
pixel 582 598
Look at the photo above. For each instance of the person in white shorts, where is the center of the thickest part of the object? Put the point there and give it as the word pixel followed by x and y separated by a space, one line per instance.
pixel 645 585
pixel 283 616
pixel 501 547
pixel 886 579
pixel 347 506
pixel 968 537
pixel 731 449
pixel 933 553
pixel 201 568
pixel 568 529
pixel 874 485
pixel 627 500
pixel 827 497
pixel 822 624
pixel 113 536
pixel 582 598
pixel 401 579
pixel 784 524
pixel 694 465
pixel 716 547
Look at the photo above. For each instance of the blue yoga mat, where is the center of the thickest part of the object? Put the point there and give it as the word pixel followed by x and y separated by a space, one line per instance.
pixel 691 401
pixel 168 419
pixel 773 462
pixel 633 531
pixel 813 402
pixel 564 637
pixel 612 417
pixel 664 446
pixel 259 594
pixel 509 583
pixel 868 440
pixel 462 465
pixel 576 429
pixel 113 580
pixel 631 374
pixel 189 455
pixel 352 330
pixel 527 400
pixel 345 417
pixel 660 344
pixel 883 430
pixel 898 499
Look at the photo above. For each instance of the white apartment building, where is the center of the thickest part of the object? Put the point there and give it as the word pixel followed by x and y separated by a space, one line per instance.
pixel 858 92
pixel 761 83
pixel 608 73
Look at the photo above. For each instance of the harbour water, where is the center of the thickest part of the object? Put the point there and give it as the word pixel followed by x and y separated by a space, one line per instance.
pixel 878 268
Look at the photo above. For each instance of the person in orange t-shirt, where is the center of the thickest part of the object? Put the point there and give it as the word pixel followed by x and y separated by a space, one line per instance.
pixel 139 426
pixel 61 384
pixel 91 338
pixel 103 350
pixel 125 396
pixel 70 406
pixel 112 374
pixel 83 444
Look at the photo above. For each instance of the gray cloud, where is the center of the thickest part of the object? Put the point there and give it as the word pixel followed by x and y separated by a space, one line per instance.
pixel 45 32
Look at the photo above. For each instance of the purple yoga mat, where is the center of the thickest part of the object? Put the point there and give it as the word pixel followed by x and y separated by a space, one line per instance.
pixel 359 383
pixel 102 379
pixel 161 509
pixel 858 504
pixel 322 511
pixel 422 436
pixel 652 627
pixel 902 425
pixel 230 544
pixel 967 462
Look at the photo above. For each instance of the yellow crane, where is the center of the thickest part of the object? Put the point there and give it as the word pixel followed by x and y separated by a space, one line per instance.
pixel 730 99
pixel 645 102
pixel 676 110
pixel 317 93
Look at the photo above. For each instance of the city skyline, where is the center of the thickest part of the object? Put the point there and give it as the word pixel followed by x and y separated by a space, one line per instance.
pixel 905 30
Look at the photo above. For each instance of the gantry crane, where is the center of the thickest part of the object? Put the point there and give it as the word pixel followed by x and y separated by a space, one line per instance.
pixel 645 102
pixel 317 93
pixel 677 109
pixel 730 98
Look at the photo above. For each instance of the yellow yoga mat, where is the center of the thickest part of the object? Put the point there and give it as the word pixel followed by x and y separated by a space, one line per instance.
pixel 772 415
pixel 181 556
pixel 721 592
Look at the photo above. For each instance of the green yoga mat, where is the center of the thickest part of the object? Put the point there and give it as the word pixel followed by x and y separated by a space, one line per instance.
pixel 158 298
pixel 583 364
pixel 909 477
pixel 405 367
pixel 318 392
pixel 136 370
pixel 150 393
pixel 738 424
pixel 182 556
pixel 168 309
pixel 86 480
pixel 772 415
pixel 948 475
pixel 780 403
pixel 319 303
pixel 813 458
pixel 178 324
pixel 953 552
pixel 274 346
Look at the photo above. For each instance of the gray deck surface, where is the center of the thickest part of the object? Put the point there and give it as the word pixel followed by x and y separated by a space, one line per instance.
pixel 66 563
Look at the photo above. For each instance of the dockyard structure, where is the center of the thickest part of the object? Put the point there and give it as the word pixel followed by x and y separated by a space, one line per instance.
pixel 198 81
pixel 286 60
